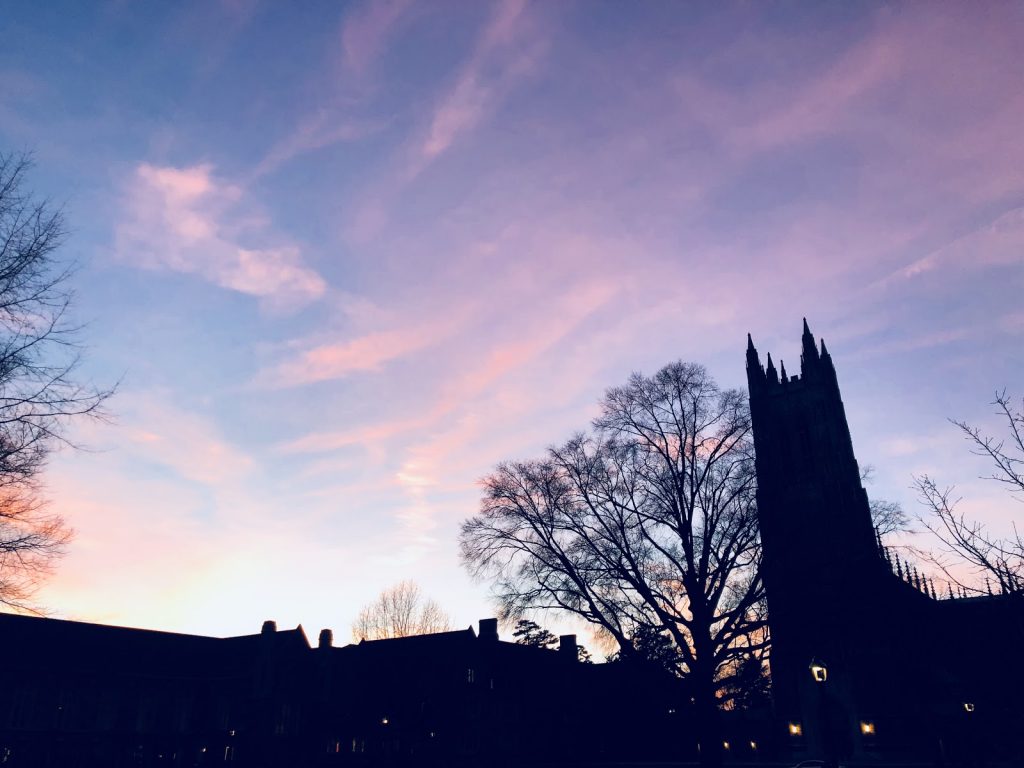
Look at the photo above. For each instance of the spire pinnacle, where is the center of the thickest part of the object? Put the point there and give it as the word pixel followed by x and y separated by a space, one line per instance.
pixel 782 372
pixel 809 355
pixel 755 373
pixel 773 375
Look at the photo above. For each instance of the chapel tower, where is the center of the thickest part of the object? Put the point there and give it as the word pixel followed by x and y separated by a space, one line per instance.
pixel 820 552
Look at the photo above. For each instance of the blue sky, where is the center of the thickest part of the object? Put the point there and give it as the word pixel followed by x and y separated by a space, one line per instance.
pixel 348 256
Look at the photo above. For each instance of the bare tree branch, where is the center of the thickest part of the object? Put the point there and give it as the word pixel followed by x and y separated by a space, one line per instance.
pixel 646 528
pixel 989 558
pixel 400 611
pixel 39 387
pixel 888 517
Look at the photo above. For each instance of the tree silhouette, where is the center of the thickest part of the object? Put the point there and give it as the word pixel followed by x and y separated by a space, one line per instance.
pixel 888 517
pixel 992 558
pixel 646 524
pixel 400 611
pixel 40 391
pixel 532 634
pixel 653 647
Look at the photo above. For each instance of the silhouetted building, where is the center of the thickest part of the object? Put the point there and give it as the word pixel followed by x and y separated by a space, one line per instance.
pixel 905 672
pixel 77 694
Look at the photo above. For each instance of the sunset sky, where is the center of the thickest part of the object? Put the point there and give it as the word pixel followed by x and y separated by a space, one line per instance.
pixel 346 256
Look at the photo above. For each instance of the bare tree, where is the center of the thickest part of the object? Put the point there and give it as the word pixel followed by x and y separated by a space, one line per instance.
pixel 989 557
pixel 40 391
pixel 646 526
pixel 400 611
pixel 888 517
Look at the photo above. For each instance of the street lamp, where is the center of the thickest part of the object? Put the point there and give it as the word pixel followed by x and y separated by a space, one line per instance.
pixel 818 671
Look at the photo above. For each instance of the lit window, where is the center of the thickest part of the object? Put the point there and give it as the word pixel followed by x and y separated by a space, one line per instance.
pixel 470 675
pixel 867 727
pixel 795 729
pixel 968 706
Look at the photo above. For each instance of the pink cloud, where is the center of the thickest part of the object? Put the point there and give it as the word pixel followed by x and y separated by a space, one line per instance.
pixel 323 128
pixel 185 220
pixel 824 102
pixel 999 242
pixel 336 361
pixel 366 31
pixel 473 395
pixel 180 440
pixel 508 49
pixel 368 352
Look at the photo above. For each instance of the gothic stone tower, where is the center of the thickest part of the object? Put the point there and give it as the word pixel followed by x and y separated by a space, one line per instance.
pixel 898 659
pixel 821 556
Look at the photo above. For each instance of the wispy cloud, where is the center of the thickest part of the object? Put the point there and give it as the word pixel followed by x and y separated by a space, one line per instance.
pixel 368 350
pixel 320 129
pixel 366 30
pixel 508 49
pixel 187 220
pixel 343 93
pixel 336 361
pixel 1000 242
pixel 182 441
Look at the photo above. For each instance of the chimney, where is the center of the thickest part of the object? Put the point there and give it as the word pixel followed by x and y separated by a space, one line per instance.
pixel 326 639
pixel 269 627
pixel 489 630
pixel 567 648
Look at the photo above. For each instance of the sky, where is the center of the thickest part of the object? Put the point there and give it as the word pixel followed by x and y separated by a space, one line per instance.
pixel 345 257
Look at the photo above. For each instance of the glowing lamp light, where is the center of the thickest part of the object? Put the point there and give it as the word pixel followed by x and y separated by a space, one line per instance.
pixel 795 729
pixel 867 727
pixel 384 720
pixel 753 745
pixel 725 745
pixel 968 706
pixel 818 671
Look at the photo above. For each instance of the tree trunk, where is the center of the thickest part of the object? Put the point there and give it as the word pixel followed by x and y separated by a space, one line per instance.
pixel 707 720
